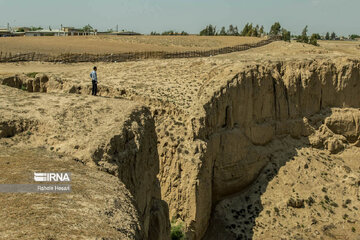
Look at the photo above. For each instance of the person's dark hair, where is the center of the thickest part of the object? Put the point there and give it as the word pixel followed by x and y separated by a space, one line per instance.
pixel 94 68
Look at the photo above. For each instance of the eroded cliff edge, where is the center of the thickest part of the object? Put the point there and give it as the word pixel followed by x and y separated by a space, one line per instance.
pixel 249 108
pixel 115 136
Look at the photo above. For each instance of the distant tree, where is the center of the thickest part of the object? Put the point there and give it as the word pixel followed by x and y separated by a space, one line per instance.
pixel 304 31
pixel 223 32
pixel 170 32
pixel 327 36
pixel 87 28
pixel 275 29
pixel 35 28
pixel 154 33
pixel 316 36
pixel 236 31
pixel 313 39
pixel 333 36
pixel 261 31
pixel 255 32
pixel 231 31
pixel 209 30
pixel 21 30
pixel 248 30
pixel 286 35
pixel 304 38
pixel 354 36
pixel 245 30
pixel 251 30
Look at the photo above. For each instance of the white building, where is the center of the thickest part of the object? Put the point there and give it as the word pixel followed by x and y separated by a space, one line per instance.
pixel 44 32
pixel 65 31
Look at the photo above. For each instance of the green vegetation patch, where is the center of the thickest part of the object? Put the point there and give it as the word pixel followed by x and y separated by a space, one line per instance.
pixel 177 230
pixel 31 74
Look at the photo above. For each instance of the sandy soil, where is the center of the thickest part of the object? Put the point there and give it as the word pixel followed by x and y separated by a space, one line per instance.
pixel 83 214
pixel 179 86
pixel 304 193
pixel 118 44
pixel 349 47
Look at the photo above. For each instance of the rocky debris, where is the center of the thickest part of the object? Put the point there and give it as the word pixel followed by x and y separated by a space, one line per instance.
pixel 296 203
pixel 334 145
pixel 338 131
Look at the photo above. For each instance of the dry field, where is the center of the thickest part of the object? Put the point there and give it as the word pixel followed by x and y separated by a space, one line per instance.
pixel 349 47
pixel 118 44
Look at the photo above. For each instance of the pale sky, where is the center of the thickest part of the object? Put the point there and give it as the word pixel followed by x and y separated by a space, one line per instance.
pixel 144 16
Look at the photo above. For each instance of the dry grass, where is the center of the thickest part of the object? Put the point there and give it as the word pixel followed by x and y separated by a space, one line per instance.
pixel 118 44
pixel 348 47
pixel 80 214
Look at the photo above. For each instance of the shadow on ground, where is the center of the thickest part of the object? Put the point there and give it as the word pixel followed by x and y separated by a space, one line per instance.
pixel 236 219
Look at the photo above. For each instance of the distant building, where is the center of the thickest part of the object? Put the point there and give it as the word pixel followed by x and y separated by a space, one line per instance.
pixel 123 33
pixel 25 31
pixel 65 31
pixel 5 33
pixel 71 31
pixel 44 32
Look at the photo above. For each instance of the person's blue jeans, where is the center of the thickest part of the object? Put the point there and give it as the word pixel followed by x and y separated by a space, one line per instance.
pixel 94 88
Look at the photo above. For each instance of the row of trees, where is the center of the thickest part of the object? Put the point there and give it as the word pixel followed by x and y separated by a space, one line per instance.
pixel 354 36
pixel 30 29
pixel 170 32
pixel 277 30
pixel 248 30
pixel 305 39
pixel 330 37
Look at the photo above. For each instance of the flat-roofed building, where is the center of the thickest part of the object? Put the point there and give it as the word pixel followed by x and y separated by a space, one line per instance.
pixel 44 32
pixel 71 31
pixel 5 32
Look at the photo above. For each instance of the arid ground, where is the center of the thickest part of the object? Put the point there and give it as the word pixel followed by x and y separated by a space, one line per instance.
pixel 259 144
pixel 118 44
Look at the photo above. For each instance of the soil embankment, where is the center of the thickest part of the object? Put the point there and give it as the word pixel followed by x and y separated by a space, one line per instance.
pixel 67 131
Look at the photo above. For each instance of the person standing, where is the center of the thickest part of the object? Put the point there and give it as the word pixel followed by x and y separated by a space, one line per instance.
pixel 94 81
